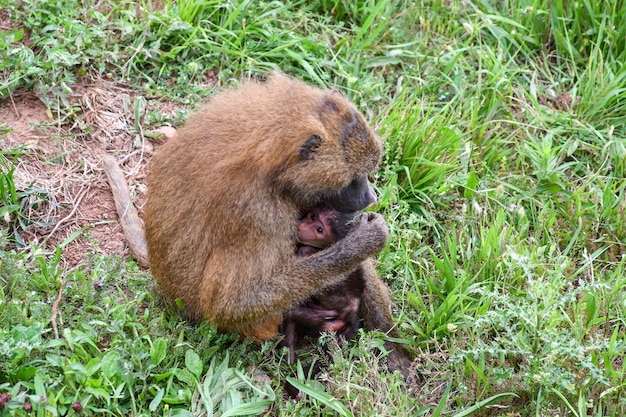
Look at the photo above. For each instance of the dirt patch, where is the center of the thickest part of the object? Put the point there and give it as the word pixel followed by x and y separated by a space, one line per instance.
pixel 22 114
pixel 64 161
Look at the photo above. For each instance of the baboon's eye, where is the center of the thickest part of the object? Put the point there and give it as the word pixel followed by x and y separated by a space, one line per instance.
pixel 310 145
pixel 320 230
pixel 313 216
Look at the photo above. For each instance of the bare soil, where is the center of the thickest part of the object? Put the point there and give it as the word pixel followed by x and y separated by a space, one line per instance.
pixel 64 159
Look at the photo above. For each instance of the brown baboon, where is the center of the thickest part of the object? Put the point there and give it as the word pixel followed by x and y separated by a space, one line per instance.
pixel 278 148
pixel 336 309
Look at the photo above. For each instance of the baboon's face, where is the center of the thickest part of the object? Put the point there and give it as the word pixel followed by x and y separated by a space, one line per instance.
pixel 337 156
pixel 356 196
pixel 316 229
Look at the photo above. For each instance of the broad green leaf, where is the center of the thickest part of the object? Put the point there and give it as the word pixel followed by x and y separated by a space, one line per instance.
pixel 158 351
pixel 193 363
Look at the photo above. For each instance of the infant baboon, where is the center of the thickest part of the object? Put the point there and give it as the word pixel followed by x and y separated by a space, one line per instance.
pixel 320 228
pixel 279 148
pixel 337 308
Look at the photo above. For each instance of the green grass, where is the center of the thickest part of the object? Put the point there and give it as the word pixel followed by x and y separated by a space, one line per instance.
pixel 503 184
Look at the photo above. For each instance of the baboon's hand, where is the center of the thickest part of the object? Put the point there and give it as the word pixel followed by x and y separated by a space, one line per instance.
pixel 369 233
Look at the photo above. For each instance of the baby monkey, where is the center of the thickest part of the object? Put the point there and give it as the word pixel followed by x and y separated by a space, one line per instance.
pixel 336 309
pixel 320 228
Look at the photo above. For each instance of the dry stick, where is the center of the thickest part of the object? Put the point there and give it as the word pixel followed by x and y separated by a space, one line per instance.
pixel 17 114
pixel 76 203
pixel 129 219
pixel 55 309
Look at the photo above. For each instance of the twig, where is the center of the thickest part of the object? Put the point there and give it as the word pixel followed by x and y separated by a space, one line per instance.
pixel 14 106
pixel 76 203
pixel 55 309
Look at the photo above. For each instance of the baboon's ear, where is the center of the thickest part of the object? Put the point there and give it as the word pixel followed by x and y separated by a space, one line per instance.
pixel 355 129
pixel 332 105
pixel 309 146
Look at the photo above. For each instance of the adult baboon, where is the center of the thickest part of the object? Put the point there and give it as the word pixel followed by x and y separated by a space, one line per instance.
pixel 275 149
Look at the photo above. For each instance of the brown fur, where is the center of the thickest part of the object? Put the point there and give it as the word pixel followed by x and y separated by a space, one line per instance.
pixel 275 150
